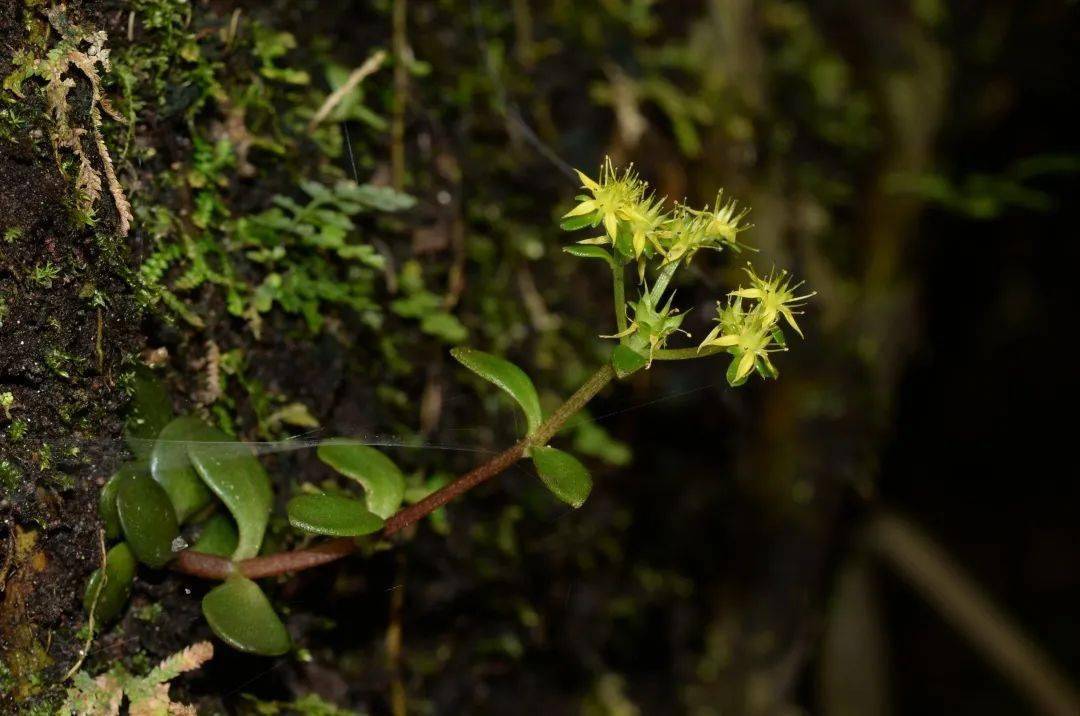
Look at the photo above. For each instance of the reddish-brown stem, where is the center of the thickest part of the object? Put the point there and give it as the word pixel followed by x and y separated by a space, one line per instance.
pixel 417 511
pixel 211 566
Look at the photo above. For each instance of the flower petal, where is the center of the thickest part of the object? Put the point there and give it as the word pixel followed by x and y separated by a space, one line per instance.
pixel 587 182
pixel 586 207
pixel 791 320
pixel 722 341
pixel 611 224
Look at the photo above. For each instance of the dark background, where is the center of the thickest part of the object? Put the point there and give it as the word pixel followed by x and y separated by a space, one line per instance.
pixel 916 162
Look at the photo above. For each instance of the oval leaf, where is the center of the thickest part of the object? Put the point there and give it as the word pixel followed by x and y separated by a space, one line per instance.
pixel 241 616
pixel 563 474
pixel 626 361
pixel 218 536
pixel 573 223
pixel 380 477
pixel 171 468
pixel 147 519
pixel 114 583
pixel 149 412
pixel 588 251
pixel 332 515
pixel 107 500
pixel 237 478
pixel 507 376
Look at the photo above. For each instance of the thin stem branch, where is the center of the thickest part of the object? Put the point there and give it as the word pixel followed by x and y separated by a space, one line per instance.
pixel 211 566
pixel 618 276
pixel 664 279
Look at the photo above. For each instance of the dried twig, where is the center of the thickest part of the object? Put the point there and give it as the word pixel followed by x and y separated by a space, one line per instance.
pixel 370 66
pixel 93 608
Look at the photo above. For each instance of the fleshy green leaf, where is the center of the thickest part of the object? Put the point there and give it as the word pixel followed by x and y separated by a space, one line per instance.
pixel 171 468
pixel 332 515
pixel 563 474
pixel 380 477
pixel 147 519
pixel 107 500
pixel 114 583
pixel 506 376
pixel 149 412
pixel 626 361
pixel 241 616
pixel 573 223
pixel 218 536
pixel 237 478
pixel 586 251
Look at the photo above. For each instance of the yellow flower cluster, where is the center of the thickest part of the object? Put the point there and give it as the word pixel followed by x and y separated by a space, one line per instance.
pixel 639 227
pixel 750 334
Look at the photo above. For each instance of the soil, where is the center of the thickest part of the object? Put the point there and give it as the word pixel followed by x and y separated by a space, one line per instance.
pixel 61 360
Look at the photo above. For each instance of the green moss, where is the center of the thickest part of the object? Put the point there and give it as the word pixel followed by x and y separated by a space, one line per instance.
pixel 9 476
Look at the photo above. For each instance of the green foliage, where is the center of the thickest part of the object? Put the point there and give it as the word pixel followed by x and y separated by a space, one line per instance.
pixel 383 482
pixel 426 307
pixel 306 705
pixel 218 536
pixel 302 251
pixel 627 361
pixel 240 615
pixel 147 694
pixel 332 515
pixel 110 517
pixel 148 413
pixel 172 469
pixel 295 246
pixel 587 252
pixel 239 481
pixel 563 474
pixel 986 196
pixel 507 377
pixel 147 519
pixel 109 587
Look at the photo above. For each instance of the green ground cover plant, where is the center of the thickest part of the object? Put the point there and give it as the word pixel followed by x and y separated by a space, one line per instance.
pixel 189 472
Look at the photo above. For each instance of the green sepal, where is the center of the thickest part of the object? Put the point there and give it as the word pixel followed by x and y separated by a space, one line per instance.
pixel 241 616
pixel 766 369
pixel 171 467
pixel 626 361
pixel 107 499
pixel 733 370
pixel 563 474
pixel 589 251
pixel 236 477
pixel 114 584
pixel 218 536
pixel 382 480
pixel 147 519
pixel 779 338
pixel 624 242
pixel 332 515
pixel 506 376
pixel 149 412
